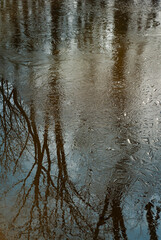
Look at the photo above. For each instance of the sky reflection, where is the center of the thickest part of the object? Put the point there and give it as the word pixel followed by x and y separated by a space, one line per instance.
pixel 80 119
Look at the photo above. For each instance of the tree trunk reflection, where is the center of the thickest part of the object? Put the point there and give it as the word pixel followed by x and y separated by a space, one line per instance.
pixel 67 63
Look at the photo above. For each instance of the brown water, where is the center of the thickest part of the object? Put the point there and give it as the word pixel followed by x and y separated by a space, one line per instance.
pixel 80 119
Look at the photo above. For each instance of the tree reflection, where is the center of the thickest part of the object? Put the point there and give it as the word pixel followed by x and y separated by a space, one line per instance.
pixel 46 192
pixel 40 185
pixel 152 222
pixel 123 174
pixel 49 204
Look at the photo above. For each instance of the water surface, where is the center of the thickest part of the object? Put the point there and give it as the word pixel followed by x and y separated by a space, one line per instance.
pixel 80 119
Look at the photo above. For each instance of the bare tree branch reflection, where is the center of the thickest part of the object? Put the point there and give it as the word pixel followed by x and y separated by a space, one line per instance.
pixel 40 174
pixel 49 205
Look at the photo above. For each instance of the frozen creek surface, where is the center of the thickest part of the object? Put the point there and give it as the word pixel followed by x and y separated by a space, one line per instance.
pixel 80 119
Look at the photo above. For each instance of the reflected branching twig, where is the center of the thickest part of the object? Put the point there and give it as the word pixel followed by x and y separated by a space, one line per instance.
pixel 40 174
